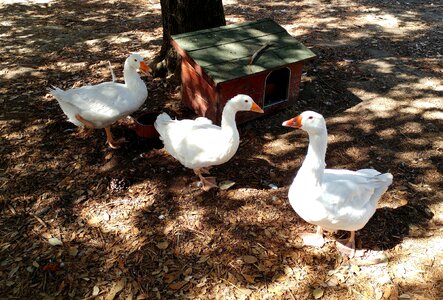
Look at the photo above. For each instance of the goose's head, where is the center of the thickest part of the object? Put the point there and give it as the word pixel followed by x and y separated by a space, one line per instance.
pixel 137 62
pixel 244 103
pixel 310 121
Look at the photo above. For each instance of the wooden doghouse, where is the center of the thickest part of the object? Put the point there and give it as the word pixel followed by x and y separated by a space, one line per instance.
pixel 260 59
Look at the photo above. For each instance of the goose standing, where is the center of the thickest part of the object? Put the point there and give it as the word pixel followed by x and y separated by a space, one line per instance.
pixel 198 144
pixel 332 199
pixel 99 106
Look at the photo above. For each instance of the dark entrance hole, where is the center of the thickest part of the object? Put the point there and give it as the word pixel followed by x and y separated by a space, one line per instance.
pixel 277 86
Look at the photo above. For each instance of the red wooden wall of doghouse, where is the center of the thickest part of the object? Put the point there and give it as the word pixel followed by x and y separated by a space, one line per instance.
pixel 197 90
pixel 255 86
pixel 219 63
pixel 200 93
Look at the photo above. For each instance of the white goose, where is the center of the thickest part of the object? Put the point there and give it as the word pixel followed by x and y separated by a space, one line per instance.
pixel 198 144
pixel 332 199
pixel 99 106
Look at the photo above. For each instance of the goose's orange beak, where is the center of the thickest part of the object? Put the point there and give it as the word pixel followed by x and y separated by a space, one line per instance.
pixel 144 68
pixel 256 108
pixel 294 122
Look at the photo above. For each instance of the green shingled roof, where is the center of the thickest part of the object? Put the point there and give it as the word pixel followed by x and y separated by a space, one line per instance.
pixel 225 52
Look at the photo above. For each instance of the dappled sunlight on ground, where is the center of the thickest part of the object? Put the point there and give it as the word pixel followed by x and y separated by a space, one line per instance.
pixel 134 219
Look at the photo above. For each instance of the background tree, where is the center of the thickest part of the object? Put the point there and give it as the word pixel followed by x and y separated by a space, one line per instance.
pixel 180 16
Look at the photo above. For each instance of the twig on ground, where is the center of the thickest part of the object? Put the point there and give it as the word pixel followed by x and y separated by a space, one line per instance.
pixel 39 220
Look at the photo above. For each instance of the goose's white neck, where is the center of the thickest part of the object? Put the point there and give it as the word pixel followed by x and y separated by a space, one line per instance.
pixel 134 83
pixel 228 125
pixel 311 172
pixel 228 119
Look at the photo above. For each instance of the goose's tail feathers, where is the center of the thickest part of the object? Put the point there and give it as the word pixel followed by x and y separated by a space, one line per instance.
pixel 383 183
pixel 56 92
pixel 161 122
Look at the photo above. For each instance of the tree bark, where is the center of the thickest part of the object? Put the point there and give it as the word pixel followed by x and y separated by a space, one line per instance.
pixel 180 16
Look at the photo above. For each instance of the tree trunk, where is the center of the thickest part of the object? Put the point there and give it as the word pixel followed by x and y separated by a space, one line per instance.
pixel 180 16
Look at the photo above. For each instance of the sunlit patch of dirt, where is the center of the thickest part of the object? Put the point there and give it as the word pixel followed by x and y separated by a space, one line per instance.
pixel 82 221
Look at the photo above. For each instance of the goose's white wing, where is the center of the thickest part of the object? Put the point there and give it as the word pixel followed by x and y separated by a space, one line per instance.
pixel 195 143
pixel 349 198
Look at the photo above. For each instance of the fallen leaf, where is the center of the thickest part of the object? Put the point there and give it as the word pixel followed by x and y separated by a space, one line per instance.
pixel 80 199
pixel 94 221
pixel 156 272
pixel 224 185
pixel 332 282
pixel 372 260
pixel 52 267
pixel 268 263
pixel 188 271
pixel 46 235
pixel 245 291
pixel 281 278
pixel 378 294
pixel 202 282
pixel 73 251
pixel 116 288
pixel 10 283
pixel 13 271
pixel 249 278
pixel 55 242
pixel 387 292
pixel 162 245
pixel 368 292
pixel 170 277
pixel 121 263
pixel 392 293
pixel 355 268
pixel 249 259
pixel 232 279
pixel 203 259
pixel 106 217
pixel 177 285
pixel 95 291
pixel 318 293
pixel 276 289
pixel 298 275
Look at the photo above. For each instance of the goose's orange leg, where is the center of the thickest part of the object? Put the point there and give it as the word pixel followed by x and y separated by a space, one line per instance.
pixel 85 131
pixel 114 144
pixel 348 246
pixel 206 170
pixel 85 122
pixel 313 239
pixel 208 182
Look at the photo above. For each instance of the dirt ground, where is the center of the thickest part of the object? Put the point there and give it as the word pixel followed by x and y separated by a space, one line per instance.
pixel 82 221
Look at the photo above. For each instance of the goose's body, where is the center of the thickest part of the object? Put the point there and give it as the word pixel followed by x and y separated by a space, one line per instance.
pixel 99 106
pixel 333 199
pixel 198 144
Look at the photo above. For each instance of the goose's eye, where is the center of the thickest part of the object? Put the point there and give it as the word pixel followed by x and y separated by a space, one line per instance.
pixel 135 59
pixel 311 117
pixel 246 101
